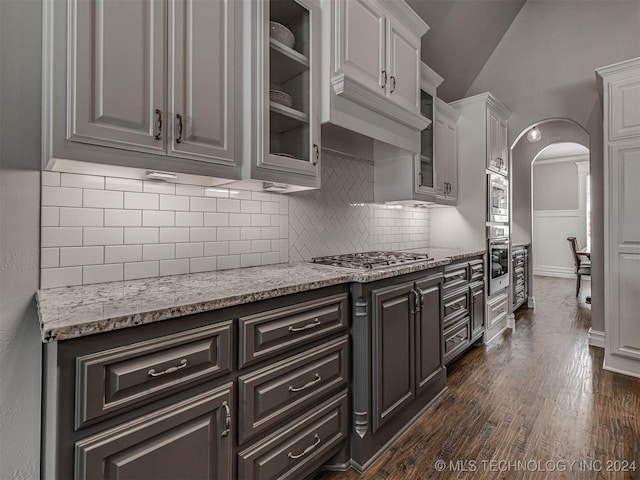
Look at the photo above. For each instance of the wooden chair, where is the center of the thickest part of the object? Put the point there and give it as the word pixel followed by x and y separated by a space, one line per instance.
pixel 582 267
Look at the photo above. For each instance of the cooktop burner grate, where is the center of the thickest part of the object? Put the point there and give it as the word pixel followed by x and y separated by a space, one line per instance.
pixel 371 260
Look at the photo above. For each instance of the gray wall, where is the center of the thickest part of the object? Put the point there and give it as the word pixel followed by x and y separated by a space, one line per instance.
pixel 20 345
pixel 544 68
pixel 555 186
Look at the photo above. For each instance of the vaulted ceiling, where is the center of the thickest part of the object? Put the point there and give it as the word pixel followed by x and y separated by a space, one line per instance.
pixel 462 37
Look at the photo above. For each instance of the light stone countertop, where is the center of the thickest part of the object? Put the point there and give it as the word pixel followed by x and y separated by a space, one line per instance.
pixel 71 312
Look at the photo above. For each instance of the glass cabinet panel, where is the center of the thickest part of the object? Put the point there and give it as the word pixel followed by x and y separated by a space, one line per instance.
pixel 290 107
pixel 426 143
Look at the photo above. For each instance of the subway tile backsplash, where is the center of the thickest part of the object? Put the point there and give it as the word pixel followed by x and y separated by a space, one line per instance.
pixel 100 229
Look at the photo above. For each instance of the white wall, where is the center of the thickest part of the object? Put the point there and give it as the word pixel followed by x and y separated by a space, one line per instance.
pixel 20 345
pixel 558 213
pixel 555 186
pixel 544 68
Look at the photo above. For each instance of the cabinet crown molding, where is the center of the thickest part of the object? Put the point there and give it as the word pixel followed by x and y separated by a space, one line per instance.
pixel 487 98
pixel 447 110
pixel 627 65
pixel 403 12
pixel 428 75
pixel 348 88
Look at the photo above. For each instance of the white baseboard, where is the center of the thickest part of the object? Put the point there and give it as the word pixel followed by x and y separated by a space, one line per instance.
pixel 551 271
pixel 625 366
pixel 596 338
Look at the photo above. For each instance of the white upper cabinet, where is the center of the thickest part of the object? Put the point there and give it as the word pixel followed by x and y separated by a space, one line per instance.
pixel 362 42
pixel 446 153
pixel 154 80
pixel 371 69
pixel 403 65
pixel 497 148
pixel 202 59
pixel 432 175
pixel 116 87
pixel 281 101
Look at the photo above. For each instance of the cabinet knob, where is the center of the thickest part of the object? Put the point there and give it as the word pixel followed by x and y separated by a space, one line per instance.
pixel 158 134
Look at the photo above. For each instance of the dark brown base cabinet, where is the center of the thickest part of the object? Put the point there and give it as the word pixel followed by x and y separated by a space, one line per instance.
pixel 242 392
pixel 464 307
pixel 397 358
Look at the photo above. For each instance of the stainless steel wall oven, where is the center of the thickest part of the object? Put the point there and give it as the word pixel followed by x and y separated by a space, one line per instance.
pixel 498 258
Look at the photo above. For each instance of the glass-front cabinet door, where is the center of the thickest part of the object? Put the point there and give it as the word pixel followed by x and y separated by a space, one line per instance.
pixel 291 71
pixel 425 164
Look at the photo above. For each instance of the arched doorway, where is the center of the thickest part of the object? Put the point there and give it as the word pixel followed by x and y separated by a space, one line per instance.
pixel 523 153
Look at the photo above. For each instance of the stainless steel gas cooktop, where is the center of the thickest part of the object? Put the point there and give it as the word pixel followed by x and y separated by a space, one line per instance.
pixel 371 260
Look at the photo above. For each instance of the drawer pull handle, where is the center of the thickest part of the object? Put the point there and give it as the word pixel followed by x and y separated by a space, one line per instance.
pixel 227 419
pixel 316 322
pixel 153 373
pixel 306 450
pixel 304 387
pixel 457 338
pixel 502 310
pixel 457 306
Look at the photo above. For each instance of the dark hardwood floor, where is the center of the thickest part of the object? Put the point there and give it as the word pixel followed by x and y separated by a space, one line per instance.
pixel 538 396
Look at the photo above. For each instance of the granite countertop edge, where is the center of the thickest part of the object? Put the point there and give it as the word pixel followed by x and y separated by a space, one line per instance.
pixel 71 312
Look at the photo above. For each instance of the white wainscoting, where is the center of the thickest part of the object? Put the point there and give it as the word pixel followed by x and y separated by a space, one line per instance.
pixel 551 252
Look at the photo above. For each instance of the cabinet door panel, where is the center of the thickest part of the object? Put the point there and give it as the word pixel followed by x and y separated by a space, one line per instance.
pixel 362 42
pixel 493 141
pixel 477 311
pixel 440 151
pixel 624 114
pixel 403 64
pixel 451 156
pixel 147 448
pixel 428 332
pixel 393 378
pixel 202 55
pixel 117 67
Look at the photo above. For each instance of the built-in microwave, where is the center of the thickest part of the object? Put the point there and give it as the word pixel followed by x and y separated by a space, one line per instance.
pixel 498 198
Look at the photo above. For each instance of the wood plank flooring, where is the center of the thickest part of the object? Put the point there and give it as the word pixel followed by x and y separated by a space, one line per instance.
pixel 538 396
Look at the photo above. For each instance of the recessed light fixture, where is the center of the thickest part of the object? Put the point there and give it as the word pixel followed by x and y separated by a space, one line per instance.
pixel 534 135
pixel 155 174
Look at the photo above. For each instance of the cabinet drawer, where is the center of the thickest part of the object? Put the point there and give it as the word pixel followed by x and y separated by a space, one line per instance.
pixel 456 277
pixel 273 394
pixel 300 447
pixel 456 306
pixel 456 339
pixel 497 310
pixel 112 380
pixel 266 334
pixel 477 270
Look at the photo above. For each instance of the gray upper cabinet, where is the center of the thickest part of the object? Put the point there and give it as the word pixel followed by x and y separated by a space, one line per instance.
pixel 202 56
pixel 116 84
pixel 191 439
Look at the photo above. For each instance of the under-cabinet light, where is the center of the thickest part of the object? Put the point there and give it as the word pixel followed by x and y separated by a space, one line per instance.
pixel 223 190
pixel 161 175
pixel 274 187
